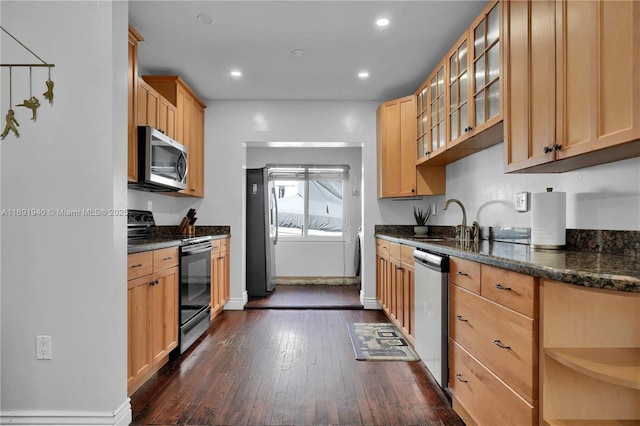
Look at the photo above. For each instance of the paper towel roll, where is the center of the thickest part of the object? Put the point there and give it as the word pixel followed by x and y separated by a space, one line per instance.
pixel 548 219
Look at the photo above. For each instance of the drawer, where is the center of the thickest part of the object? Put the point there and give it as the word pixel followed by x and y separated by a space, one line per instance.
pixel 465 273
pixel 394 250
pixel 406 254
pixel 165 258
pixel 503 340
pixel 139 264
pixel 482 395
pixel 216 246
pixel 224 244
pixel 512 289
pixel 382 247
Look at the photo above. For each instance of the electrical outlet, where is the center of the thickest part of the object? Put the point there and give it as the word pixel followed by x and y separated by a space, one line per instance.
pixel 522 202
pixel 43 347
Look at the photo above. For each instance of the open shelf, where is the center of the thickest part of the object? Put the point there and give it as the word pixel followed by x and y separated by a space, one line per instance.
pixel 618 366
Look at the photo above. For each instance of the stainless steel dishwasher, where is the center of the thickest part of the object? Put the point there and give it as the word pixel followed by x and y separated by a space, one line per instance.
pixel 432 312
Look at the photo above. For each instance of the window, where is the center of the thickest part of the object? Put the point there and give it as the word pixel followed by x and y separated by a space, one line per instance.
pixel 310 200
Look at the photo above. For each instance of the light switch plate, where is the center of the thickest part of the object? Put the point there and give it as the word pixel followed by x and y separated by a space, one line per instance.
pixel 522 202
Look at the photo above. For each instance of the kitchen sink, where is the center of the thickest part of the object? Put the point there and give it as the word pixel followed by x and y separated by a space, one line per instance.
pixel 427 239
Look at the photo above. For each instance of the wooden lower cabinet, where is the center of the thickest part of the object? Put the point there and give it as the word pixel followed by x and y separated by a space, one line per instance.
pixel 219 275
pixel 152 313
pixel 590 355
pixel 493 345
pixel 395 284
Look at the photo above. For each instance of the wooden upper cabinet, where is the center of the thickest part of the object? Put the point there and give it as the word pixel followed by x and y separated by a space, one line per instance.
pixel 189 128
pixel 573 89
pixel 485 33
pixel 132 105
pixel 398 172
pixel 530 108
pixel 156 111
pixel 396 147
pixel 599 77
pixel 460 104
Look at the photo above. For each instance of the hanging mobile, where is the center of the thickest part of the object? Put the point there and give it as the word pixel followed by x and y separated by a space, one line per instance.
pixel 49 93
pixel 12 123
pixel 32 103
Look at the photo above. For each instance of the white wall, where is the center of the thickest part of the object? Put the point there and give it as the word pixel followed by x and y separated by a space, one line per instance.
pixel 65 276
pixel 317 258
pixel 599 197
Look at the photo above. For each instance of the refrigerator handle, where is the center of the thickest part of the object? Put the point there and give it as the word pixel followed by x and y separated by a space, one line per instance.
pixel 275 203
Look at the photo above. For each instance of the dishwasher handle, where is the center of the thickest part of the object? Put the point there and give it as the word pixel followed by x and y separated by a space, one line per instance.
pixel 433 261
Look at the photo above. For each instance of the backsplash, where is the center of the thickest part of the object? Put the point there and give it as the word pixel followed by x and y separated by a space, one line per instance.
pixel 170 231
pixel 625 243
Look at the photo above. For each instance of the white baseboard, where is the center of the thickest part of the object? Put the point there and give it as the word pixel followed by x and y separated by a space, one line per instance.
pixel 369 302
pixel 121 417
pixel 237 304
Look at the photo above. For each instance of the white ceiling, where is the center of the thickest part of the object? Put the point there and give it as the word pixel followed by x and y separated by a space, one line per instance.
pixel 340 38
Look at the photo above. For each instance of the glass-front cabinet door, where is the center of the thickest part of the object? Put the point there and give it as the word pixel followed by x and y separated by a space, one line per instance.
pixel 437 116
pixel 422 125
pixel 458 81
pixel 486 66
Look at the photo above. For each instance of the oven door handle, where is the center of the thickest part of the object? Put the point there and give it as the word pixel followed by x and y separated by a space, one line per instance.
pixel 195 250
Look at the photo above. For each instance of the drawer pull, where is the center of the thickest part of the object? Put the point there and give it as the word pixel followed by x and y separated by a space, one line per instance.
pixel 137 265
pixel 460 318
pixel 460 379
pixel 462 273
pixel 501 287
pixel 168 258
pixel 499 344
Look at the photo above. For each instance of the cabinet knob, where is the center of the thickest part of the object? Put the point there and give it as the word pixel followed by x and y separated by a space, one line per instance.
pixel 501 287
pixel 557 147
pixel 499 344
pixel 192 190
pixel 547 150
pixel 413 190
pixel 460 379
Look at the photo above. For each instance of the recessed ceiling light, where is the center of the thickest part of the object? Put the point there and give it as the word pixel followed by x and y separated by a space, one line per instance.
pixel 382 22
pixel 204 18
pixel 363 74
pixel 236 73
pixel 299 53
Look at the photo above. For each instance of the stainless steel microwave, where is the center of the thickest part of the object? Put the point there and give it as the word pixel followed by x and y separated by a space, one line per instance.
pixel 162 162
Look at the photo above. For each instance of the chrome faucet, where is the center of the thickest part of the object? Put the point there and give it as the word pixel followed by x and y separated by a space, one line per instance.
pixel 463 232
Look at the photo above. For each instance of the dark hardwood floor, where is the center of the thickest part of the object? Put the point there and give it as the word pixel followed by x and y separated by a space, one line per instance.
pixel 317 296
pixel 288 367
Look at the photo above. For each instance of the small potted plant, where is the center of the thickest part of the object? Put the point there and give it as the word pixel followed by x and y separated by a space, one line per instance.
pixel 422 216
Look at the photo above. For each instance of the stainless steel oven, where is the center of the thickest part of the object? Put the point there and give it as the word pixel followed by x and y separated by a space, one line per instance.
pixel 195 290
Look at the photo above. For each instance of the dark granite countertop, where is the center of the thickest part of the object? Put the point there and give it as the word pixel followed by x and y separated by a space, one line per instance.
pixel 589 269
pixel 164 241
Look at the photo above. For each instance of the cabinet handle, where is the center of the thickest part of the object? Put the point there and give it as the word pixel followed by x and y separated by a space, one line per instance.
pixel 220 258
pixel 192 190
pixel 460 318
pixel 464 274
pixel 557 147
pixel 460 379
pixel 501 287
pixel 137 266
pixel 499 344
pixel 168 258
pixel 547 150
pixel 154 282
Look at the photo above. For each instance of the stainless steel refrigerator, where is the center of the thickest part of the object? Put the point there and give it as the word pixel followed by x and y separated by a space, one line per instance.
pixel 262 232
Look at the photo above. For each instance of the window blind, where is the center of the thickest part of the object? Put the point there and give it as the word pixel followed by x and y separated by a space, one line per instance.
pixel 308 172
